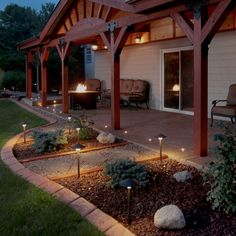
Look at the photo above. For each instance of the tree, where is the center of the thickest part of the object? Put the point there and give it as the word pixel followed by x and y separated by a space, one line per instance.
pixel 16 25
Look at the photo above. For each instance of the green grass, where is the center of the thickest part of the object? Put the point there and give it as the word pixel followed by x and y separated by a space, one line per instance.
pixel 25 209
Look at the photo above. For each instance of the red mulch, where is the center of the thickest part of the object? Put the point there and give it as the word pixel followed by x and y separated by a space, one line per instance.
pixel 189 196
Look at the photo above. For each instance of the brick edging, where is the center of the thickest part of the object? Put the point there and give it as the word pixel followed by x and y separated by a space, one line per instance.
pixel 101 220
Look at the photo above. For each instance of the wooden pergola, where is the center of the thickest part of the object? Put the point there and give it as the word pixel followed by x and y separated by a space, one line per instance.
pixel 110 22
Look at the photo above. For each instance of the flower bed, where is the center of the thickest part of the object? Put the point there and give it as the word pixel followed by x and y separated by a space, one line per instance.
pixel 190 197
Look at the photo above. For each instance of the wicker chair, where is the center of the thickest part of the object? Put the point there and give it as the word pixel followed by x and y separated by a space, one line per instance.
pixel 227 110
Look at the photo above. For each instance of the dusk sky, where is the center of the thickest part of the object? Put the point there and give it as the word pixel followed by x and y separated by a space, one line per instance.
pixel 36 4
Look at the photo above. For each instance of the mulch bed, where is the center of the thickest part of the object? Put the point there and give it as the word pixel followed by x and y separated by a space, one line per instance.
pixel 190 197
pixel 24 151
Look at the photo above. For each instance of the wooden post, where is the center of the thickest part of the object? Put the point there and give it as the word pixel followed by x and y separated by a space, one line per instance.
pixel 29 75
pixel 115 45
pixel 63 51
pixel 43 55
pixel 200 88
pixel 201 34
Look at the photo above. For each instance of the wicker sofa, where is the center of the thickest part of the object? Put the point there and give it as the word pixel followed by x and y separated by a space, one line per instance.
pixel 132 91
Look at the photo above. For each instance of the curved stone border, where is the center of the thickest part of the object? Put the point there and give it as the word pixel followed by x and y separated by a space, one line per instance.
pixel 101 220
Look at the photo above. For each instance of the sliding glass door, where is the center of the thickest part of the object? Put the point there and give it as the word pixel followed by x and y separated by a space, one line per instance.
pixel 177 77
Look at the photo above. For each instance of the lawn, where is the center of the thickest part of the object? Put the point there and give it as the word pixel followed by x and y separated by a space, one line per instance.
pixel 25 209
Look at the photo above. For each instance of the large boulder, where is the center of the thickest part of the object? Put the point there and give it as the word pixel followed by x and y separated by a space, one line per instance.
pixel 169 217
pixel 106 138
pixel 182 176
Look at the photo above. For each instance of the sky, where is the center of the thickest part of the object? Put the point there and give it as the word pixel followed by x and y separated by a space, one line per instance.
pixel 36 4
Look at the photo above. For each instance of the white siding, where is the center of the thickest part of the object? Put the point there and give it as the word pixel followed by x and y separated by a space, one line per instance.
pixel 144 62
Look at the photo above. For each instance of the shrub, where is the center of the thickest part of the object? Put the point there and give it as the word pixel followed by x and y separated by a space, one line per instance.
pixel 14 80
pixel 49 141
pixel 87 133
pixel 119 170
pixel 221 174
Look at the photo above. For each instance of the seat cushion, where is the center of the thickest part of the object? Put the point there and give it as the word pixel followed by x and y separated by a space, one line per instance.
pixel 126 86
pixel 224 110
pixel 231 98
pixel 139 86
pixel 93 84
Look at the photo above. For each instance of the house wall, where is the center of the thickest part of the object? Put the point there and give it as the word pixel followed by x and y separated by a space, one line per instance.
pixel 144 62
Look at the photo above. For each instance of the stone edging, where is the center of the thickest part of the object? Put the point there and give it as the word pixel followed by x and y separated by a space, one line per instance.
pixel 101 220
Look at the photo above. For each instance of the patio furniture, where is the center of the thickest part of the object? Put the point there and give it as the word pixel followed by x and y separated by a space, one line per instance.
pixel 228 110
pixel 132 91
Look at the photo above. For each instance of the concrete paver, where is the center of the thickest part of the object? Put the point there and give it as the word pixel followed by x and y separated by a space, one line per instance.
pixel 83 206
pixel 101 220
pixel 66 196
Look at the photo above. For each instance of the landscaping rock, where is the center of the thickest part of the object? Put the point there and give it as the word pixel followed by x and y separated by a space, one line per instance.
pixel 106 138
pixel 182 176
pixel 169 217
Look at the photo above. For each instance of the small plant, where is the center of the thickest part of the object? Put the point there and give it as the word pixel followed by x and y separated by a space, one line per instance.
pixel 119 170
pixel 49 141
pixel 221 174
pixel 87 133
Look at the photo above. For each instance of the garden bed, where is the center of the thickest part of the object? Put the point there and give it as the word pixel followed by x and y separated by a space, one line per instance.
pixel 25 152
pixel 190 197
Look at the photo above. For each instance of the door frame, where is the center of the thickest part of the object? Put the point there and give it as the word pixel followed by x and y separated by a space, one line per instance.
pixel 162 52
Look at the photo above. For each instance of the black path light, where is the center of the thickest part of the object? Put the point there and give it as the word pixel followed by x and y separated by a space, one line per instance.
pixel 160 138
pixel 128 183
pixel 78 147
pixel 24 129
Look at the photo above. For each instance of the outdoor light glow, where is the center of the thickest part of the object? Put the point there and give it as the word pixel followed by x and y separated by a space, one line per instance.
pixel 78 129
pixel 77 149
pixel 54 101
pixel 69 118
pixel 81 88
pixel 160 138
pixel 129 187
pixel 138 39
pixel 95 47
pixel 106 126
pixel 60 112
pixel 53 110
pixel 35 84
pixel 175 88
pixel 126 132
pixel 47 107
pixel 182 149
pixel 105 47
pixel 150 140
pixel 24 126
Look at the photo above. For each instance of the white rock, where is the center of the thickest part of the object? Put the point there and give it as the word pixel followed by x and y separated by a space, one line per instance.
pixel 106 138
pixel 182 176
pixel 169 217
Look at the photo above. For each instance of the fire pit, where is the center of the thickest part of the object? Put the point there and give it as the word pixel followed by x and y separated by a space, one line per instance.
pixel 82 98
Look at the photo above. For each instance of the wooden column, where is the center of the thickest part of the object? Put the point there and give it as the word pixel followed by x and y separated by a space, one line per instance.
pixel 43 56
pixel 200 88
pixel 63 51
pixel 115 42
pixel 200 34
pixel 29 74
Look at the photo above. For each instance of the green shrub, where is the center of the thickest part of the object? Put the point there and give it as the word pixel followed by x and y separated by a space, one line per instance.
pixel 119 170
pixel 49 141
pixel 87 133
pixel 14 80
pixel 221 174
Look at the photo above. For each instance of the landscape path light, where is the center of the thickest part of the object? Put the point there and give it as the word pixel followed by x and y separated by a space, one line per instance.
pixel 160 138
pixel 24 129
pixel 78 147
pixel 69 120
pixel 128 183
